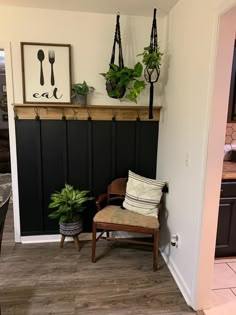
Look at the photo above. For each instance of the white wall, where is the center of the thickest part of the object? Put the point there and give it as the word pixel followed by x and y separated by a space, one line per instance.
pixel 91 36
pixel 182 154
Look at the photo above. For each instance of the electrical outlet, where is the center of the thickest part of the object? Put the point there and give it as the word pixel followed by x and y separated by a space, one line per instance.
pixel 175 240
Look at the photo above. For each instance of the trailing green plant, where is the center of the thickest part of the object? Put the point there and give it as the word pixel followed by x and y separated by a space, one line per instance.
pixel 151 57
pixel 69 204
pixel 125 78
pixel 81 89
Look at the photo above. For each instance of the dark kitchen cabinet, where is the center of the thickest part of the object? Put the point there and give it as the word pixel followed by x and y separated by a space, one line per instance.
pixel 226 229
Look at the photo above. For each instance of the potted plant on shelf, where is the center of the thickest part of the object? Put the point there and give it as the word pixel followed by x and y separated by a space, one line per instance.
pixel 69 203
pixel 80 92
pixel 123 82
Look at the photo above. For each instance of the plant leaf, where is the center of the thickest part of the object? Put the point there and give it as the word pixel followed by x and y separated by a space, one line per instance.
pixel 138 69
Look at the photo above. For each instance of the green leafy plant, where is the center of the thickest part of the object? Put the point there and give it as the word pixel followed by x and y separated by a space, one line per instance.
pixel 151 57
pixel 125 78
pixel 81 89
pixel 69 204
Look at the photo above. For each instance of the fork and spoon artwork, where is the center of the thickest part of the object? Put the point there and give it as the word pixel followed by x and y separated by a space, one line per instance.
pixel 51 60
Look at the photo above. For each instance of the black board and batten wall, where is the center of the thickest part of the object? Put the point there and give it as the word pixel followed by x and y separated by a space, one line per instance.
pixel 87 154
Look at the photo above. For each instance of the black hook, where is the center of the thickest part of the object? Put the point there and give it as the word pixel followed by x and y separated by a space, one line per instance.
pixel 36 110
pixel 63 117
pixel 89 117
pixel 15 114
pixel 138 116
pixel 114 116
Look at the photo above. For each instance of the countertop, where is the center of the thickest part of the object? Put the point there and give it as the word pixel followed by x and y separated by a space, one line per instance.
pixel 229 170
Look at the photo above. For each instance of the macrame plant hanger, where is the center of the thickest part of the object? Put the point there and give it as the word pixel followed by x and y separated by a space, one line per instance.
pixel 152 74
pixel 117 41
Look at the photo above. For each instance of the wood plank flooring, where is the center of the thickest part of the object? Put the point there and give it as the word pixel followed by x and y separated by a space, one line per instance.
pixel 42 279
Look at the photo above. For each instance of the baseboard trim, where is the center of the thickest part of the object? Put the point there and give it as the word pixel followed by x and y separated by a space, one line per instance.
pixel 178 278
pixel 83 237
pixel 52 238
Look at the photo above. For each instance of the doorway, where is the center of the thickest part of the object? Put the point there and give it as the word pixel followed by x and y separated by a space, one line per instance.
pixel 5 165
pixel 9 124
pixel 221 85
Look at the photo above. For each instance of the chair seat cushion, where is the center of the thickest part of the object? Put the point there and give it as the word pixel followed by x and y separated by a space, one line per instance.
pixel 116 215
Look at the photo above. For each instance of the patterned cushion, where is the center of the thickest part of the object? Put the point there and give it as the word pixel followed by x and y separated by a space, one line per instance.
pixel 114 214
pixel 143 194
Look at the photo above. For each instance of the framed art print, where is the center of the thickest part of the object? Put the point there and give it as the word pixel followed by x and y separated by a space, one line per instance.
pixel 46 73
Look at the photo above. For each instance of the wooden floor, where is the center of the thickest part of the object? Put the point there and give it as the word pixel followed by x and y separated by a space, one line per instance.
pixel 44 279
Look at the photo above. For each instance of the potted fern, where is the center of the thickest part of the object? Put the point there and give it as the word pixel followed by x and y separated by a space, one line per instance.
pixel 69 203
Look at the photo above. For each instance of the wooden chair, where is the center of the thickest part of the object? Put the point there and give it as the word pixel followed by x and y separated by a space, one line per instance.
pixel 111 217
pixel 3 211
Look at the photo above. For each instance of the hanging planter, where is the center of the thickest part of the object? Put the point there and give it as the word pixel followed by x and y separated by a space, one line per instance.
pixel 152 61
pixel 114 89
pixel 122 81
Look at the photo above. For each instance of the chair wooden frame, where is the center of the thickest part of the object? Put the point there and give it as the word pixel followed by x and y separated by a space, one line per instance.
pixel 117 187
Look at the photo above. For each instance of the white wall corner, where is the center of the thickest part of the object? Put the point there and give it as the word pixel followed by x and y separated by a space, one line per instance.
pixel 186 292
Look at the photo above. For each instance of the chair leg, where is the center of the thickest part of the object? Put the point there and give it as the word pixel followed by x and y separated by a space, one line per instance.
pixel 108 234
pixel 155 249
pixel 94 243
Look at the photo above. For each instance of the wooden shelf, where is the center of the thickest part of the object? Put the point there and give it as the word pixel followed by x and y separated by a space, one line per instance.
pixel 78 112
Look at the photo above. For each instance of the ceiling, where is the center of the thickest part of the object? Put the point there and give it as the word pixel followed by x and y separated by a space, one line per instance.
pixel 125 7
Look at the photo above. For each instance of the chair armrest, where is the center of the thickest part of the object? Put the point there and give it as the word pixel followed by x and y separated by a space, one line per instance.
pixel 101 201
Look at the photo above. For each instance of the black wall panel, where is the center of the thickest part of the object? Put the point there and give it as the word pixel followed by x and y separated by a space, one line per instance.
pixel 78 161
pixel 29 176
pixel 87 154
pixel 54 164
pixel 79 145
pixel 146 140
pixel 125 147
pixel 101 155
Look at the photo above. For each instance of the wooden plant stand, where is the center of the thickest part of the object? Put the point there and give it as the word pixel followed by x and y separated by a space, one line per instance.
pixel 76 241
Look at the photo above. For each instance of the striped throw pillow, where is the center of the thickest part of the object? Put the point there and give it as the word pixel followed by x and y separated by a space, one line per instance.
pixel 143 194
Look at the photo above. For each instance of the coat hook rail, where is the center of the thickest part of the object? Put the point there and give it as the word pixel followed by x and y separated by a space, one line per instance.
pixel 89 112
